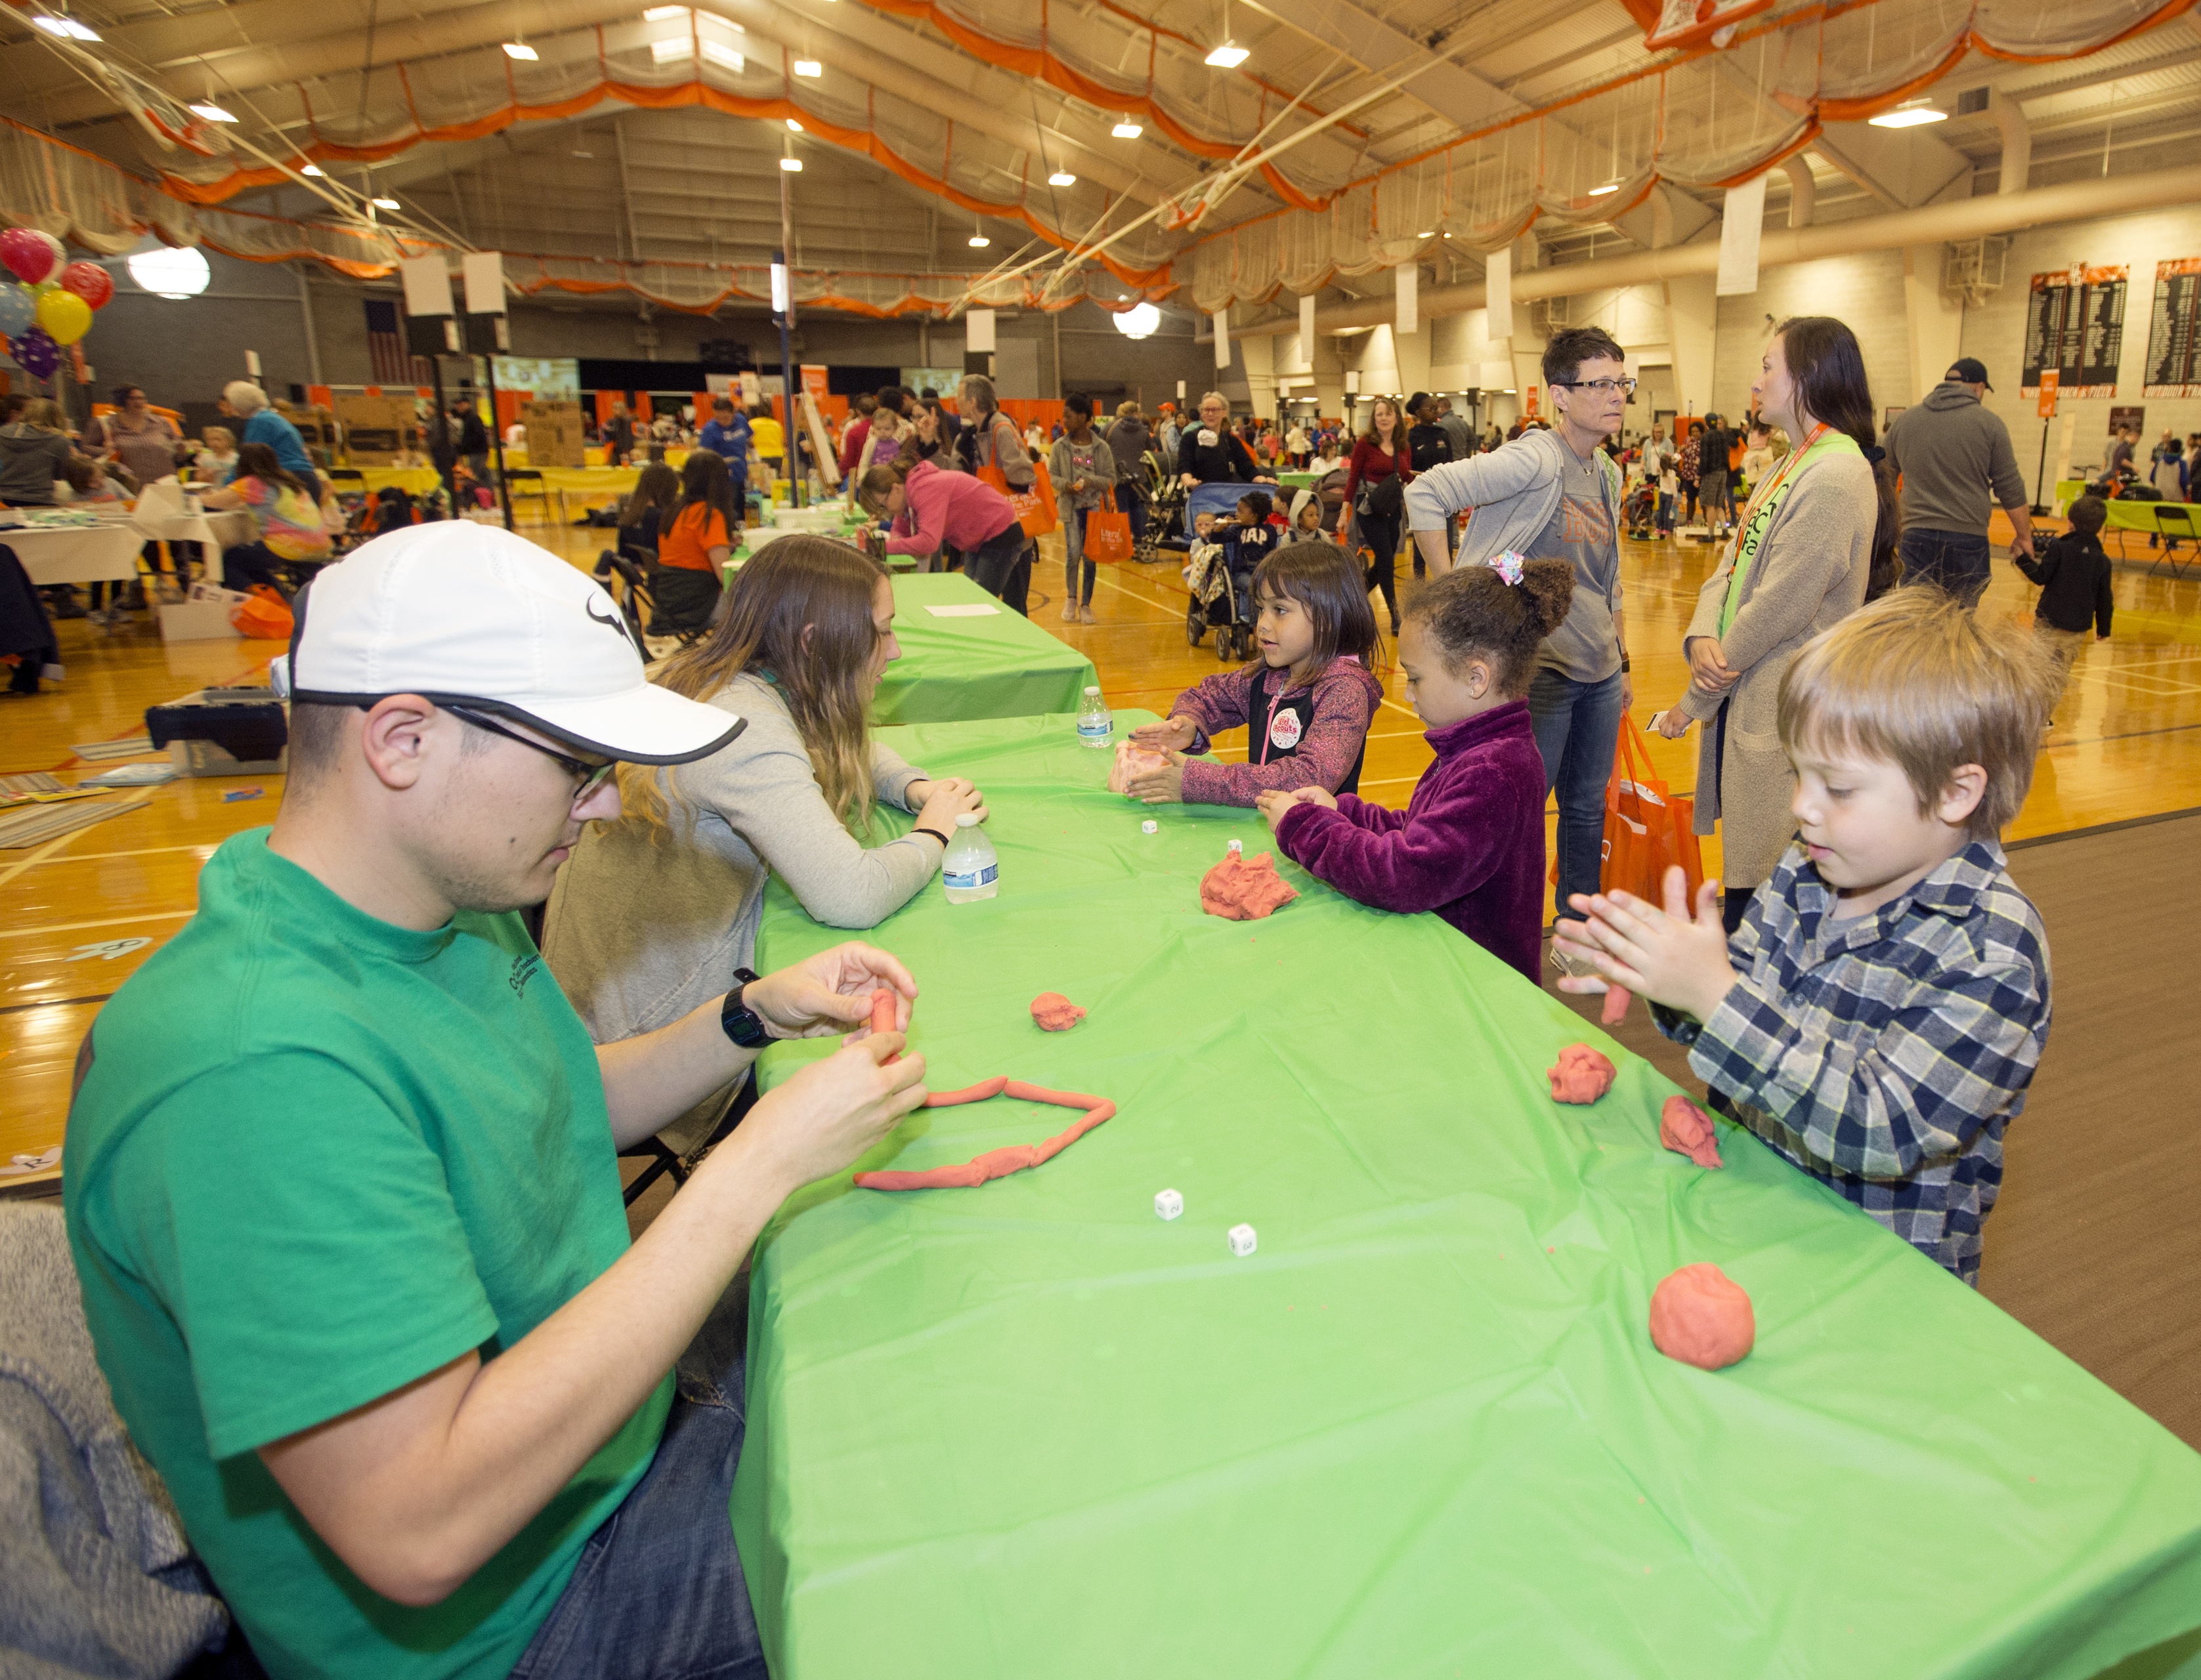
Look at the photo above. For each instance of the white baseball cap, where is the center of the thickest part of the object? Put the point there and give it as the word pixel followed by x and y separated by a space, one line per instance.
pixel 465 614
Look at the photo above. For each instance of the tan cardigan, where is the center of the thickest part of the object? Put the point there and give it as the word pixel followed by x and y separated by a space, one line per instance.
pixel 1809 574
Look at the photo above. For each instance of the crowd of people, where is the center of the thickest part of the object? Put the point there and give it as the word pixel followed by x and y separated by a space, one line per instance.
pixel 501 1385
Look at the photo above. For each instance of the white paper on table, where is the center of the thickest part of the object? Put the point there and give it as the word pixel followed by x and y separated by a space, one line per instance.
pixel 963 610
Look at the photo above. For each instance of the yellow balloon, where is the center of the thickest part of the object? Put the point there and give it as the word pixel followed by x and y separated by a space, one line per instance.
pixel 64 315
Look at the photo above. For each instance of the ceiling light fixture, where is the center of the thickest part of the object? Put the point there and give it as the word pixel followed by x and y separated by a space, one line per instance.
pixel 1910 114
pixel 1427 233
pixel 67 28
pixel 387 204
pixel 522 50
pixel 979 241
pixel 210 111
pixel 312 169
pixel 1609 187
pixel 1138 321
pixel 808 66
pixel 1126 130
pixel 171 270
pixel 1062 178
pixel 794 126
pixel 792 165
pixel 1230 55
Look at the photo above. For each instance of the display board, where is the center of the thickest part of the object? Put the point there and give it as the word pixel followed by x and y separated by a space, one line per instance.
pixel 2174 343
pixel 554 434
pixel 2075 323
pixel 545 376
pixel 378 429
pixel 824 456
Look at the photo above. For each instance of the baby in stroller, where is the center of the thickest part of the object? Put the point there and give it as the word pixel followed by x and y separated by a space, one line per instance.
pixel 1225 552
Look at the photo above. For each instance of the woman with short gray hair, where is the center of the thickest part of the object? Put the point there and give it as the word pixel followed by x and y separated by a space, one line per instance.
pixel 988 439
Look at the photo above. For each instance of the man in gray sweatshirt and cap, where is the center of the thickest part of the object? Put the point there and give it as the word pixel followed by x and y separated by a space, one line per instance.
pixel 1952 452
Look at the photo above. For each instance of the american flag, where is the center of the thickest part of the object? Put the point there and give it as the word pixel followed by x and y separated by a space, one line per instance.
pixel 394 365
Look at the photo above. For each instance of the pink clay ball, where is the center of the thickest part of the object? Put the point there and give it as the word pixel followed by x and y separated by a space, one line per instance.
pixel 1702 1317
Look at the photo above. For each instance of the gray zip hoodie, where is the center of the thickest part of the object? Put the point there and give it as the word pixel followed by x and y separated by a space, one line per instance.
pixel 1515 490
pixel 1950 451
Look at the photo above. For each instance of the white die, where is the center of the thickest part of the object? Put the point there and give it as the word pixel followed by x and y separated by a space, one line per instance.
pixel 1168 1204
pixel 1241 1240
pixel 1150 827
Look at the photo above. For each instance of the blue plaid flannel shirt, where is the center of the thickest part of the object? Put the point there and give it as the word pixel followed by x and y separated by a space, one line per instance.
pixel 1885 1053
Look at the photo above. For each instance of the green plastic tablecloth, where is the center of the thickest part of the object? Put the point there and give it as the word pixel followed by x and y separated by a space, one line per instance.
pixel 1031 1429
pixel 2126 513
pixel 996 664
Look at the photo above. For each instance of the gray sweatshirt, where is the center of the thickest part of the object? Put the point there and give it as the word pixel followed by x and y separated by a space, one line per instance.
pixel 643 929
pixel 1515 490
pixel 1950 450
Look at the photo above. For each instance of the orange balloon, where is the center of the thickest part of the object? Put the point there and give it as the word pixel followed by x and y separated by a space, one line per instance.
pixel 64 315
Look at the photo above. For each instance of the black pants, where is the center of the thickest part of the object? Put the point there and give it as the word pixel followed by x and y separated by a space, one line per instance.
pixel 1381 537
pixel 1001 566
pixel 249 563
pixel 685 599
pixel 1134 507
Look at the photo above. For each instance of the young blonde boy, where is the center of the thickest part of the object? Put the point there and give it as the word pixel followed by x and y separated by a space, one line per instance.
pixel 1880 1014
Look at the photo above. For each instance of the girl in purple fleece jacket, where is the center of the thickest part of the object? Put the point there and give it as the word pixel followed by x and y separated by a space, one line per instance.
pixel 1305 707
pixel 1470 846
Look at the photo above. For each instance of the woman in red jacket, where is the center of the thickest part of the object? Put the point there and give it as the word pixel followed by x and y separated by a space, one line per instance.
pixel 1374 482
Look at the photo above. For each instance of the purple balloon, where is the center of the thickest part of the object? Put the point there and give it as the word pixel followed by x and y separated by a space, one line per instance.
pixel 36 353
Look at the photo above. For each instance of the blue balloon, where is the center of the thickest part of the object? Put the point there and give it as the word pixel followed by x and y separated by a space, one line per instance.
pixel 19 309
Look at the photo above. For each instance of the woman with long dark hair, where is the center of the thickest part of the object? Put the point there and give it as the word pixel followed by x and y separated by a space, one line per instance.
pixel 693 542
pixel 1375 478
pixel 652 912
pixel 1799 561
pixel 289 520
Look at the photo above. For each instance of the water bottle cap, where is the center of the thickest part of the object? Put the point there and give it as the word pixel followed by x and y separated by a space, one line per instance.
pixel 1092 689
pixel 967 819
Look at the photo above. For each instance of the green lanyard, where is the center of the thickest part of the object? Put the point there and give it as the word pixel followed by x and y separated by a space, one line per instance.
pixel 1759 514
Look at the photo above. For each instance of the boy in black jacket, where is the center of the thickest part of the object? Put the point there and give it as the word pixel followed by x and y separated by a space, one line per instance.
pixel 2074 576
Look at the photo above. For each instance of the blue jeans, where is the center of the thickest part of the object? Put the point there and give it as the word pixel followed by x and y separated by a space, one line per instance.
pixel 1073 542
pixel 1577 725
pixel 658 1592
pixel 1954 561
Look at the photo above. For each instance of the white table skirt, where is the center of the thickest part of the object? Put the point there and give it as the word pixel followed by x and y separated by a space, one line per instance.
pixel 76 554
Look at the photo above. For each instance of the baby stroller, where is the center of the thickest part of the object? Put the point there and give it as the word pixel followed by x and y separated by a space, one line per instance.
pixel 1164 496
pixel 1220 575
pixel 1638 509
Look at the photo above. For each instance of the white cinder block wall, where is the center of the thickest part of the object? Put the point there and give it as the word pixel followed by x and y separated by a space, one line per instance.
pixel 1864 290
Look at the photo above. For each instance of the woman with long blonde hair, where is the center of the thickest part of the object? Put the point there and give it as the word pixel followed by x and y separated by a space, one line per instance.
pixel 654 911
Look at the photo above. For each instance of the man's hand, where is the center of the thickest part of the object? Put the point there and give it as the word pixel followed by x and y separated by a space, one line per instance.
pixel 1627 689
pixel 1160 786
pixel 1708 666
pixel 1273 802
pixel 830 992
pixel 1664 955
pixel 833 1111
pixel 1174 736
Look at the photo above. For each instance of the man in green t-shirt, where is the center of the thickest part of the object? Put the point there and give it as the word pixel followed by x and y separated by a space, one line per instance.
pixel 341 1175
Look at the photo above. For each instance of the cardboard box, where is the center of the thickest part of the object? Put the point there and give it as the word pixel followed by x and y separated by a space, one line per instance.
pixel 554 434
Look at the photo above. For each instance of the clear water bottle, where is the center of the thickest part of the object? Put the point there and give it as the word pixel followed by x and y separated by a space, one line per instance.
pixel 1095 723
pixel 970 870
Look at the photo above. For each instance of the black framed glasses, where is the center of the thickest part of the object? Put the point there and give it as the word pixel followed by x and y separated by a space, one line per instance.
pixel 587 777
pixel 1602 387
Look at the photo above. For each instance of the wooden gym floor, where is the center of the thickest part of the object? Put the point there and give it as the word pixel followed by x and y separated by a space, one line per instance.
pixel 77 914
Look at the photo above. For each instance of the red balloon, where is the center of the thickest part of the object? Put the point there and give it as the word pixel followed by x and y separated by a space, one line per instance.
pixel 89 282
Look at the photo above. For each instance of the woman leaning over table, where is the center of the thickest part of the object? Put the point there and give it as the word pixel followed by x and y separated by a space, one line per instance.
pixel 1798 563
pixel 654 911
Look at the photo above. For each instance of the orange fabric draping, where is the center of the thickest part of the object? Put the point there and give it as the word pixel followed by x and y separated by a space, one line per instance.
pixel 681 94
